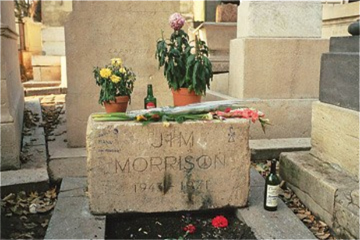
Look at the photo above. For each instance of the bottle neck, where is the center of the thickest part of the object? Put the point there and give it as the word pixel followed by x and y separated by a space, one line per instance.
pixel 273 167
pixel 150 90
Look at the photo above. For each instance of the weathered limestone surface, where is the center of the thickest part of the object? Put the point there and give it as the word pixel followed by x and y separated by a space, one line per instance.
pixel 335 136
pixel 131 37
pixel 12 94
pixel 189 166
pixel 339 78
pixel 290 118
pixel 329 193
pixel 271 68
pixel 220 83
pixel 281 19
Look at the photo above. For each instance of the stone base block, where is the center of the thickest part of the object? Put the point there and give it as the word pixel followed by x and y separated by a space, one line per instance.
pixel 335 136
pixel 339 81
pixel 47 73
pixel 326 191
pixel 220 83
pixel 290 118
pixel 188 166
pixel 295 74
pixel 280 19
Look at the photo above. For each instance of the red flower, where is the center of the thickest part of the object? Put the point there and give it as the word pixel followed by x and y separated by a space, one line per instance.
pixel 189 228
pixel 227 110
pixel 219 222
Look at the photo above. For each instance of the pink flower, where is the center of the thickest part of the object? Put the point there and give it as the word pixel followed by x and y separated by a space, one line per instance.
pixel 189 228
pixel 254 116
pixel 219 222
pixel 176 21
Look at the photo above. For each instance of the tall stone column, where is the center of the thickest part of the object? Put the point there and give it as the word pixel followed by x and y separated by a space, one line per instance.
pixel 12 93
pixel 276 57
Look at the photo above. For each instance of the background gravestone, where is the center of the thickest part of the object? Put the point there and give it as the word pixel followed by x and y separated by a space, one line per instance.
pixel 12 94
pixel 124 29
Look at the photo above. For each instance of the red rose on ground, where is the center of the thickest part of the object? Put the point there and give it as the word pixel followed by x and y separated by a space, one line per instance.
pixel 219 222
pixel 189 228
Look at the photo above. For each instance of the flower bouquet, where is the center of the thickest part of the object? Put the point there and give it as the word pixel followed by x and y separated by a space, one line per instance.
pixel 186 68
pixel 117 84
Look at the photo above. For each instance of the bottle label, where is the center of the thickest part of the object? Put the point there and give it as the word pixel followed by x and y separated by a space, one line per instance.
pixel 150 105
pixel 272 195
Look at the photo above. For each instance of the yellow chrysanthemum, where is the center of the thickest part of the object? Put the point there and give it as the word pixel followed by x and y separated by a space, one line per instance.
pixel 122 70
pixel 116 62
pixel 115 79
pixel 105 72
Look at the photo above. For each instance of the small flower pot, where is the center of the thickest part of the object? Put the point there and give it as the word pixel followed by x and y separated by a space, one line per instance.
pixel 119 105
pixel 183 97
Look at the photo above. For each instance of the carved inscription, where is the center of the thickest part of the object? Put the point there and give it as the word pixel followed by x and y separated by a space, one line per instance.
pixel 174 139
pixel 184 186
pixel 180 163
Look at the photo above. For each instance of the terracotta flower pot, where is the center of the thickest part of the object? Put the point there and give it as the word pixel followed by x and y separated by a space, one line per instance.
pixel 182 97
pixel 119 105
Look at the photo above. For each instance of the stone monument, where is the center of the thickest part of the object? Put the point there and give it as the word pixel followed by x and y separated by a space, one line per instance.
pixel 153 168
pixel 124 29
pixel 276 59
pixel 12 93
pixel 326 179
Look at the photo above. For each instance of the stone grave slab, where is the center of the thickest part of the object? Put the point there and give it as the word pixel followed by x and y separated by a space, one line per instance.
pixel 188 166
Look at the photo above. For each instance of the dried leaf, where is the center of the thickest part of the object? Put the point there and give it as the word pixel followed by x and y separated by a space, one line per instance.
pixel 16 210
pixel 45 208
pixel 307 220
pixel 11 196
pixel 8 214
pixel 23 218
pixel 322 224
pixel 301 216
pixel 51 193
pixel 30 225
pixel 45 223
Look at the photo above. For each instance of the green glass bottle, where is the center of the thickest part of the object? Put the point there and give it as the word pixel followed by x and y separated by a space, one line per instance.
pixel 150 100
pixel 271 194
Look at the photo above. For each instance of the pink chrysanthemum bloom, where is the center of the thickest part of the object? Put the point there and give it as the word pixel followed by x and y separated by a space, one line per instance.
pixel 176 21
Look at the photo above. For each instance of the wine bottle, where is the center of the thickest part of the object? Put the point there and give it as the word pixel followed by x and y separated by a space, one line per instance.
pixel 150 100
pixel 272 183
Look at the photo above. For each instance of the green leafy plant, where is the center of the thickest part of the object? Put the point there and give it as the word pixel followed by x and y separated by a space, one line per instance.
pixel 114 80
pixel 185 66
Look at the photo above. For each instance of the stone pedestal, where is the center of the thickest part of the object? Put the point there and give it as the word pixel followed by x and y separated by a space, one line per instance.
pixel 275 68
pixel 276 56
pixel 189 166
pixel 132 37
pixel 12 93
pixel 326 179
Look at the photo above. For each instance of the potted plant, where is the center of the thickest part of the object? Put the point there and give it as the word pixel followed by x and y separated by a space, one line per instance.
pixel 117 83
pixel 187 68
